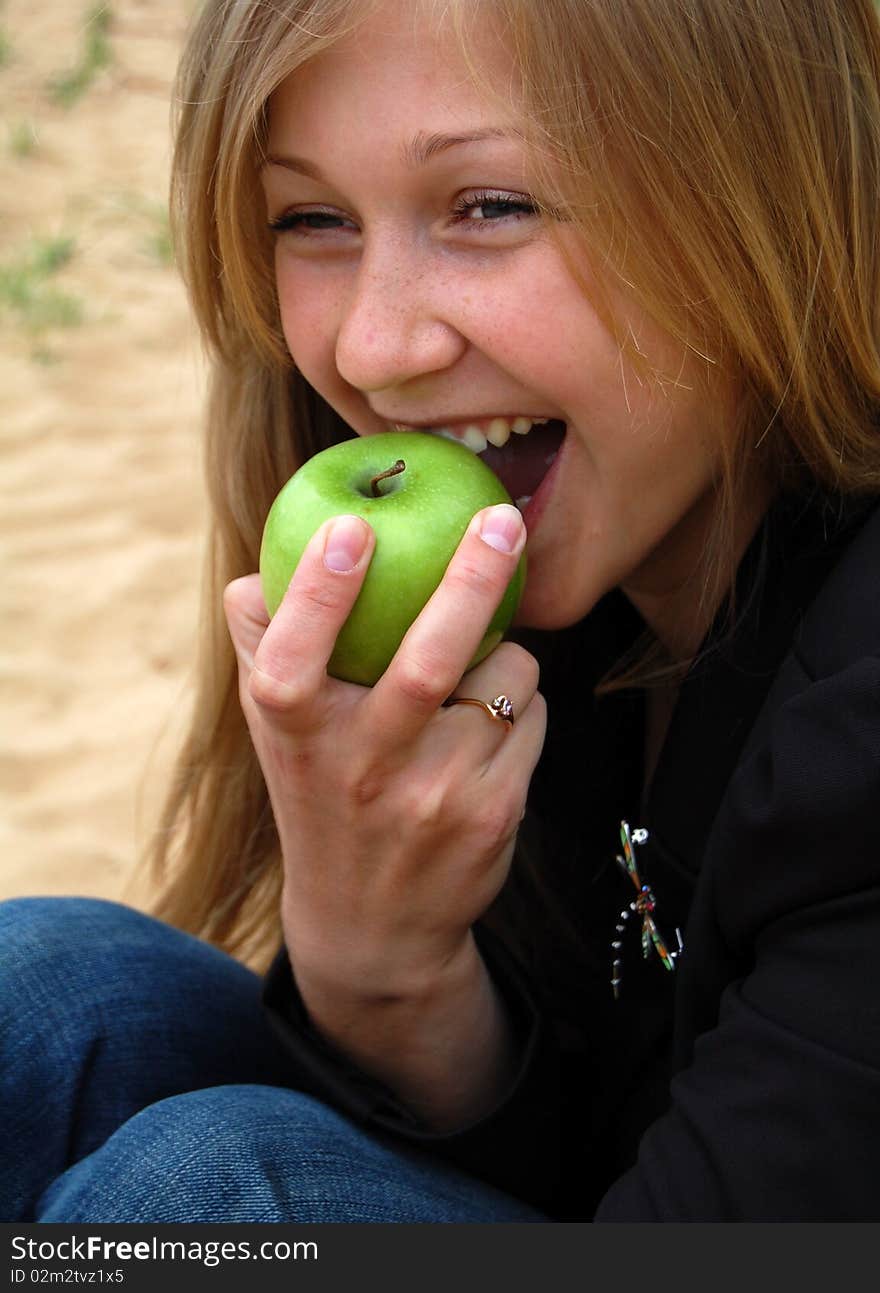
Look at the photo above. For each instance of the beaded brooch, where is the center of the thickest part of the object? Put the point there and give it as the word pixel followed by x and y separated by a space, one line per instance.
pixel 644 905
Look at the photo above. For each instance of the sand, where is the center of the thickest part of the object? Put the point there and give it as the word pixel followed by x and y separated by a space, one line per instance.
pixel 101 509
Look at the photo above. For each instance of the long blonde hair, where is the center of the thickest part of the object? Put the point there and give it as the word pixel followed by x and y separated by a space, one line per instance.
pixel 722 159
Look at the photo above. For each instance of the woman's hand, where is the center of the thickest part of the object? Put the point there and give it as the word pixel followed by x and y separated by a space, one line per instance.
pixel 397 817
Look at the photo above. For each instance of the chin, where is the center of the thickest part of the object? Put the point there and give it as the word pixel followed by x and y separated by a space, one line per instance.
pixel 548 614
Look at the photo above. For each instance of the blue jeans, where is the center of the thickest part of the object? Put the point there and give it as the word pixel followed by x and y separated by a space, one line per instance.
pixel 139 1082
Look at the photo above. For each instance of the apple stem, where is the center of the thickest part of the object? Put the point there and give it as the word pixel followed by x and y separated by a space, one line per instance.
pixel 398 467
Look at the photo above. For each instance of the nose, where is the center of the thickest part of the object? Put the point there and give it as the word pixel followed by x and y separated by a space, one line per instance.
pixel 396 322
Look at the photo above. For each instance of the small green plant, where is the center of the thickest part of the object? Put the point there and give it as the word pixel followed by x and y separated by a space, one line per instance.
pixel 22 138
pixel 150 217
pixel 27 294
pixel 66 88
pixel 5 48
pixel 159 244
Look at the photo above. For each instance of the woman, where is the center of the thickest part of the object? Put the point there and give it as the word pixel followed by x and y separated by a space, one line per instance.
pixel 610 961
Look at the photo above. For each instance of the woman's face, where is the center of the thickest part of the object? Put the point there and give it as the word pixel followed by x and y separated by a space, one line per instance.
pixel 419 288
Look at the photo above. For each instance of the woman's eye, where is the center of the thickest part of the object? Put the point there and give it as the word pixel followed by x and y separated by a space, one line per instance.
pixel 306 222
pixel 487 207
pixel 475 210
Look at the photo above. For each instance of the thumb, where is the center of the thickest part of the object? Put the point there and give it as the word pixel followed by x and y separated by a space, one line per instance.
pixel 246 617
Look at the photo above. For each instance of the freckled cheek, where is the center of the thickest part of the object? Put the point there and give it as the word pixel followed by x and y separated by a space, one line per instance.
pixel 510 337
pixel 309 323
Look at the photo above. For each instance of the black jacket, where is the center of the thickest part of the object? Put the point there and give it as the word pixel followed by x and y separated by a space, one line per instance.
pixel 745 1084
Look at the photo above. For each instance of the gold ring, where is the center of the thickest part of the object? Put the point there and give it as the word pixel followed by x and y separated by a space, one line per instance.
pixel 500 709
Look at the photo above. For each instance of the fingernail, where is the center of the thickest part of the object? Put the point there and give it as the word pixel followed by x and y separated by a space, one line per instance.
pixel 502 528
pixel 345 543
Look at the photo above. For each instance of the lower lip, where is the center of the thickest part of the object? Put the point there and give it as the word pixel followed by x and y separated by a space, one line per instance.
pixel 537 504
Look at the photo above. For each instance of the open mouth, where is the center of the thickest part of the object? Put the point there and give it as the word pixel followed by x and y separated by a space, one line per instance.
pixel 520 450
pixel 523 461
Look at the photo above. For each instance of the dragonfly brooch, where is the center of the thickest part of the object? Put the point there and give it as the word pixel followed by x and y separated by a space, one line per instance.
pixel 642 905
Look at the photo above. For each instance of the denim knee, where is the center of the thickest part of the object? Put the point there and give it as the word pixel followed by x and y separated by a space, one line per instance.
pixel 253 1153
pixel 49 944
pixel 44 924
pixel 64 961
pixel 60 953
pixel 104 1011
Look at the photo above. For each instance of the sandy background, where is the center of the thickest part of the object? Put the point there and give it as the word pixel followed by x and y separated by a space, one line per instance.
pixel 100 491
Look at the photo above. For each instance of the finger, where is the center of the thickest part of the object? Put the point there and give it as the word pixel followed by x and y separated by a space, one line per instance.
pixel 246 617
pixel 290 662
pixel 509 672
pixel 443 640
pixel 499 794
pixel 492 798
pixel 514 761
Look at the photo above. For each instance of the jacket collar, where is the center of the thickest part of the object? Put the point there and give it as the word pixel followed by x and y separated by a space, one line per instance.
pixel 781 573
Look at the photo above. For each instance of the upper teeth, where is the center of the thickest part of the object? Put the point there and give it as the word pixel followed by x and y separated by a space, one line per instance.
pixel 496 433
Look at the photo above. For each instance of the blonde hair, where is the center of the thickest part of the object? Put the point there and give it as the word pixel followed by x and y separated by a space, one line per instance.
pixel 722 159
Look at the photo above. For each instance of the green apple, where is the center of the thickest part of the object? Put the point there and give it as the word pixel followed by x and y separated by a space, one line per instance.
pixel 418 492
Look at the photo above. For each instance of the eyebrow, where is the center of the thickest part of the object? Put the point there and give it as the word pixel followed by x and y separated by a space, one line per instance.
pixel 420 150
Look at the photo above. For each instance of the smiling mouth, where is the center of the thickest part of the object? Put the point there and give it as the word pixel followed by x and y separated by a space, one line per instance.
pixel 520 450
